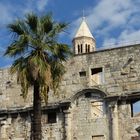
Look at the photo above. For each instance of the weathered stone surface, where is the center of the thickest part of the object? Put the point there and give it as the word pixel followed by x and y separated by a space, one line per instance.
pixel 121 77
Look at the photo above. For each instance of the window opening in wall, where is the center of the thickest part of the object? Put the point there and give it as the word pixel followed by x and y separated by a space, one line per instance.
pixel 88 95
pixel 97 109
pixel 78 48
pixel 52 117
pixel 98 137
pixel 97 76
pixel 135 109
pixel 88 48
pixel 82 73
pixel 81 48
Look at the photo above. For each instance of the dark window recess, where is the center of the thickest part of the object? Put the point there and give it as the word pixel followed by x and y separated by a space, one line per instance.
pixel 82 73
pixel 88 94
pixel 96 70
pixel 81 48
pixel 78 48
pixel 88 48
pixel 52 117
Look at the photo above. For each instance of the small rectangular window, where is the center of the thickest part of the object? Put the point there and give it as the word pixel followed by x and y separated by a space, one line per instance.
pixel 82 73
pixel 98 137
pixel 96 70
pixel 97 76
pixel 52 117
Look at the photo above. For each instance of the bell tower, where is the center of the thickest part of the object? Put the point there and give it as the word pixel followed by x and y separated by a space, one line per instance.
pixel 83 42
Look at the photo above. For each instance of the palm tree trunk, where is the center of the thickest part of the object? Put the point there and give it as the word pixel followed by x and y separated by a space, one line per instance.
pixel 37 135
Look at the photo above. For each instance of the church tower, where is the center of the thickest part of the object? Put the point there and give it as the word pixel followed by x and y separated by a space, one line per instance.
pixel 83 42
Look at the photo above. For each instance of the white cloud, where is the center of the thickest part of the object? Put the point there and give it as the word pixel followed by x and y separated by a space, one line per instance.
pixel 41 4
pixel 130 35
pixel 111 12
pixel 109 16
pixel 126 37
pixel 11 11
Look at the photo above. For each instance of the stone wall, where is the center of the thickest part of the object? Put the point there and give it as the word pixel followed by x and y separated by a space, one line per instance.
pixel 84 124
pixel 120 67
pixel 121 77
pixel 17 126
pixel 120 70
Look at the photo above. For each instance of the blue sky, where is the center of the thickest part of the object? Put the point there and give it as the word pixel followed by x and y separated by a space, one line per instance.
pixel 111 21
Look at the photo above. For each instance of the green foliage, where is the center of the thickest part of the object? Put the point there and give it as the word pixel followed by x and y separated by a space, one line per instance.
pixel 38 55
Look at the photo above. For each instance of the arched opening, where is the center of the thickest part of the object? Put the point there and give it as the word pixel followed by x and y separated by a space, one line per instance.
pixel 81 48
pixel 88 105
pixel 94 99
pixel 87 92
pixel 88 48
pixel 78 48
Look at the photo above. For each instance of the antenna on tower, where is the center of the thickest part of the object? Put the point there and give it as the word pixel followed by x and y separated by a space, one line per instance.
pixel 83 15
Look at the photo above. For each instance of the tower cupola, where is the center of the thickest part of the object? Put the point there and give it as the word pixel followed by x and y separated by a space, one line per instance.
pixel 83 42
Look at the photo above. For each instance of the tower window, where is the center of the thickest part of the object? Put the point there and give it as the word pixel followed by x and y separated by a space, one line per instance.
pixel 78 48
pixel 81 48
pixel 88 48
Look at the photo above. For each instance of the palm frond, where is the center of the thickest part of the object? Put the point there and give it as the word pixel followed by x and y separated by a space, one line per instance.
pixel 47 23
pixel 16 27
pixel 20 66
pixel 59 28
pixel 17 47
pixel 57 70
pixel 39 54
pixel 32 21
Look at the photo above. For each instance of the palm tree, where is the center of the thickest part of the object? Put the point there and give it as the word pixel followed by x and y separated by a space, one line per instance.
pixel 38 59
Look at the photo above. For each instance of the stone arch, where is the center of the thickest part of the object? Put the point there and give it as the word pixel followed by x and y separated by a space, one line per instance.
pixel 88 109
pixel 98 92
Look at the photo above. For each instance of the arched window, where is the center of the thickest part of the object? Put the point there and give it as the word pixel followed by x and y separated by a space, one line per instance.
pixel 81 48
pixel 78 48
pixel 88 48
